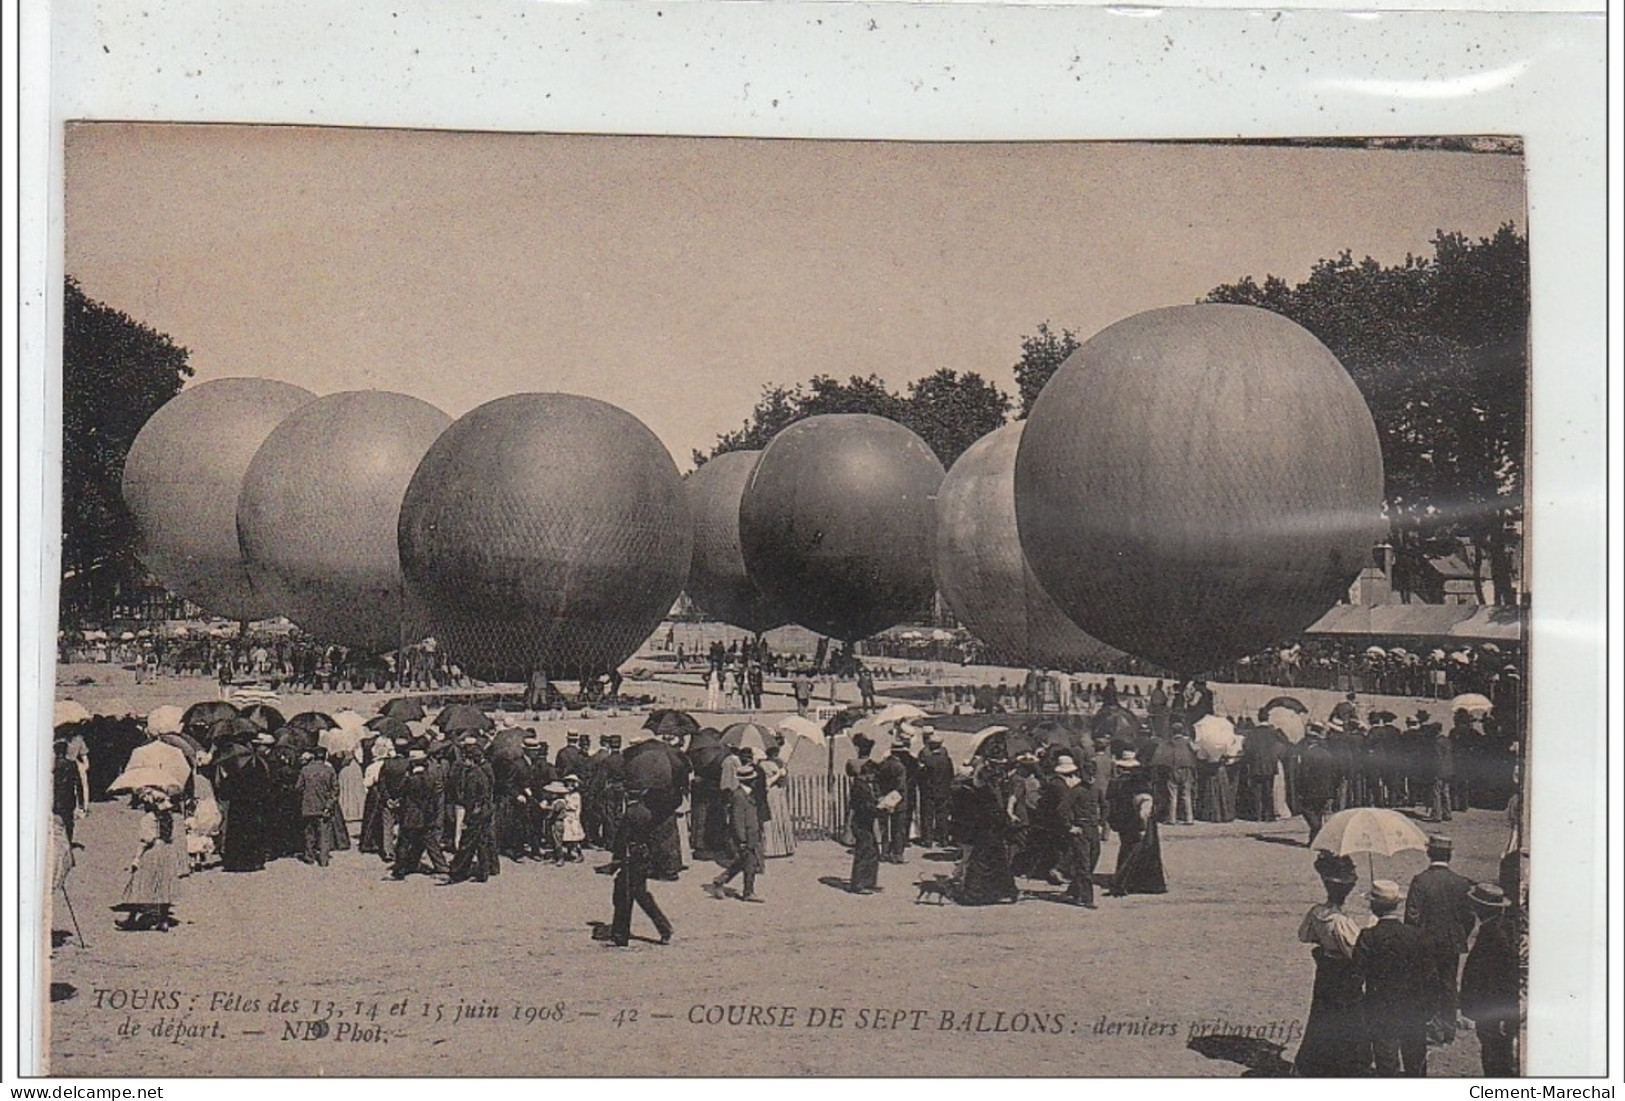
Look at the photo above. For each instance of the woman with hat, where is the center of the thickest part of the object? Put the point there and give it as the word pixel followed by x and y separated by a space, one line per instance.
pixel 1131 813
pixel 779 833
pixel 988 877
pixel 1491 981
pixel 155 873
pixel 1334 1039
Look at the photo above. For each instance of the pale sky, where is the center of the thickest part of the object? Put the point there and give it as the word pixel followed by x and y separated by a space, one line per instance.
pixel 675 277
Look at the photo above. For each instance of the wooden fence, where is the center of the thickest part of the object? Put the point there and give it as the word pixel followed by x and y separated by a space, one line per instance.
pixel 818 806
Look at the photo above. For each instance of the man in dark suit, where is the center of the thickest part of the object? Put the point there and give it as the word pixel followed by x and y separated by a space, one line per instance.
pixel 390 776
pixel 1490 981
pixel 894 779
pixel 1079 815
pixel 1438 906
pixel 419 809
pixel 477 849
pixel 571 760
pixel 632 850
pixel 936 782
pixel 318 789
pixel 1395 963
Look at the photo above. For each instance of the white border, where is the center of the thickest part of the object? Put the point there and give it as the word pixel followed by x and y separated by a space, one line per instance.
pixel 859 70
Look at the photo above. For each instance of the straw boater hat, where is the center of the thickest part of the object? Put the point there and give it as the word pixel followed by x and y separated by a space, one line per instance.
pixel 1065 765
pixel 746 773
pixel 1439 843
pixel 1385 892
pixel 1489 896
pixel 557 787
pixel 1127 759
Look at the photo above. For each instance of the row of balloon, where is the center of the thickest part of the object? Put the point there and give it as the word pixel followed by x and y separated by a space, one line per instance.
pixel 1192 484
pixel 538 530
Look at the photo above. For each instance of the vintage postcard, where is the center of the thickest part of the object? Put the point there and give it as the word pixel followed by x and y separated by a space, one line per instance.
pixel 831 569
pixel 322 815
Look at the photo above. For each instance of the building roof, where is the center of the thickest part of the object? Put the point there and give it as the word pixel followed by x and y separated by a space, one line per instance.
pixel 1466 622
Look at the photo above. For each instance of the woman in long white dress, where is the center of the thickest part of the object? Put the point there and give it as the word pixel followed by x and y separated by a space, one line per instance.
pixel 778 833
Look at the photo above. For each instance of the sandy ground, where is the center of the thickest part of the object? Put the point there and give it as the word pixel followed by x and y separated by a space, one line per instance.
pixel 843 985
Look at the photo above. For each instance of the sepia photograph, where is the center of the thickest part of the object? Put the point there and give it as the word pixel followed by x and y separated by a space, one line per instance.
pixel 540 604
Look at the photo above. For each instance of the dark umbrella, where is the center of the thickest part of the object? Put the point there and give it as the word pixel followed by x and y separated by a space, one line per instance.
pixel 1050 732
pixel 842 719
pixel 389 727
pixel 203 716
pixel 669 721
pixel 405 708
pixel 705 754
pixel 460 718
pixel 1382 716
pixel 313 721
pixel 296 738
pixel 264 716
pixel 649 765
pixel 234 729
pixel 1289 702
pixel 1114 722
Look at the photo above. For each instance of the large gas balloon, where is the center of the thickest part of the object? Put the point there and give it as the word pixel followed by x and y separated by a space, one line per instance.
pixel 717 581
pixel 984 576
pixel 182 478
pixel 545 531
pixel 837 523
pixel 320 507
pixel 1198 482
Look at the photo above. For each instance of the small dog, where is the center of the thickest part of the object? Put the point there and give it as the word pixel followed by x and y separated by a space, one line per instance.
pixel 941 886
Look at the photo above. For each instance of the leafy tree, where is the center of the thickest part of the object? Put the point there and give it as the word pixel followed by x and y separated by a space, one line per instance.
pixel 1041 356
pixel 116 372
pixel 948 410
pixel 1439 348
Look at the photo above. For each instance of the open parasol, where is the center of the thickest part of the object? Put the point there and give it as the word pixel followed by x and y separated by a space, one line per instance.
pixel 459 718
pixel 134 779
pixel 1291 703
pixel 801 727
pixel 405 708
pixel 752 736
pixel 1369 830
pixel 670 721
pixel 1474 704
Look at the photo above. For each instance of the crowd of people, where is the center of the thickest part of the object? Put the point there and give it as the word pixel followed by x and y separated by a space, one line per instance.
pixel 1383 994
pixel 218 787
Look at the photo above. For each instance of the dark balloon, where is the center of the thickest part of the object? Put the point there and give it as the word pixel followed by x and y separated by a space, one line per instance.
pixel 182 478
pixel 320 509
pixel 837 523
pixel 545 531
pixel 717 581
pixel 1198 482
pixel 984 576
